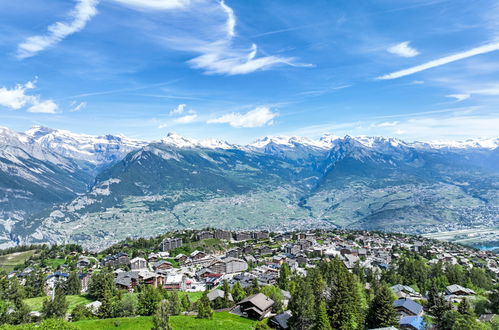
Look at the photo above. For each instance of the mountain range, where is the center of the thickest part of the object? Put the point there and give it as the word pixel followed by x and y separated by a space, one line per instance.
pixel 58 187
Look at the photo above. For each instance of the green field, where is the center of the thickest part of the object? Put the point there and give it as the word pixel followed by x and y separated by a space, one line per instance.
pixel 35 304
pixel 221 320
pixel 9 261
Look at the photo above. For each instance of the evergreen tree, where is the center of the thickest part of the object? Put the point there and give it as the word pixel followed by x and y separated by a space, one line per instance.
pixel 35 283
pixel 464 308
pixel 345 303
pixel 99 283
pixel 284 277
pixel 80 312
pixel 381 312
pixel 73 285
pixel 161 318
pixel 203 307
pixel 322 320
pixel 149 299
pixel 57 306
pixel 226 301
pixel 494 301
pixel 302 306
pixel 186 302
pixel 106 310
pixel 175 304
pixel 238 293
pixel 275 294
pixel 438 309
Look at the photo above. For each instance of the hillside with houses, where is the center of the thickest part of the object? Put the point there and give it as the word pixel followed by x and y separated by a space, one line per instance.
pixel 217 279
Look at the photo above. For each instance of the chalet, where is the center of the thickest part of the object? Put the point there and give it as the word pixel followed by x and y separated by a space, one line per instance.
pixel 171 243
pixel 280 321
pixel 162 265
pixel 258 235
pixel 54 279
pixel 174 282
pixel 242 236
pixel 457 290
pixel 181 258
pixel 292 248
pixel 127 280
pixel 116 260
pixel 229 266
pixel 216 296
pixel 223 234
pixel 305 244
pixel 83 262
pixel 248 249
pixel 408 307
pixel 412 323
pixel 153 257
pixel 204 235
pixel 234 253
pixel 264 250
pixel 196 255
pixel 212 280
pixel 256 306
pixel 147 277
pixel 138 263
pixel 404 291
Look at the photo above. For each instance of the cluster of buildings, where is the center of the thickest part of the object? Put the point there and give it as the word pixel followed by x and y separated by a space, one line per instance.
pixel 259 256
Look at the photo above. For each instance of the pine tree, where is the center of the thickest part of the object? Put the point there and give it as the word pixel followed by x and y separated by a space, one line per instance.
pixel 57 306
pixel 345 303
pixel 203 307
pixel 106 310
pixel 238 293
pixel 322 320
pixel 73 285
pixel 464 308
pixel 149 299
pixel 175 304
pixel 186 302
pixel 302 306
pixel 226 289
pixel 284 277
pixel 381 311
pixel 161 318
pixel 438 309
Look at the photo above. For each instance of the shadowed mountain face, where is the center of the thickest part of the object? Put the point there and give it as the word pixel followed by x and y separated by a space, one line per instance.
pixel 275 183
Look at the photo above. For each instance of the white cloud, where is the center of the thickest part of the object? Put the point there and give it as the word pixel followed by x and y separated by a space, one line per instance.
pixel 459 97
pixel 17 99
pixel 403 49
pixel 258 117
pixel 80 15
pixel 231 19
pixel 155 4
pixel 178 110
pixel 442 61
pixel 186 119
pixel 75 106
pixel 234 62
pixel 47 106
pixel 387 124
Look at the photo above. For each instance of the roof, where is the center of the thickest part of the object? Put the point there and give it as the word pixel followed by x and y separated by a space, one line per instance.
pixel 409 305
pixel 138 259
pixel 456 288
pixel 400 287
pixel 261 301
pixel 282 319
pixel 217 293
pixel 416 322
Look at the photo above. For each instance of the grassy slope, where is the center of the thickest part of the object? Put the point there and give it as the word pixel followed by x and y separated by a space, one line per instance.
pixel 220 321
pixel 35 304
pixel 9 261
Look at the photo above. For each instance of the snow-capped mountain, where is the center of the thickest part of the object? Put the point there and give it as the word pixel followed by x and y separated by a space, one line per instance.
pixel 57 185
pixel 97 150
pixel 175 140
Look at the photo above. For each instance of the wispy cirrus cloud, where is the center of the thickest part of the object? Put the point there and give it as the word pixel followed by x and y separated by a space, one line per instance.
pixel 77 106
pixel 155 4
pixel 79 17
pixel 17 98
pixel 259 117
pixel 459 97
pixel 403 49
pixel 491 47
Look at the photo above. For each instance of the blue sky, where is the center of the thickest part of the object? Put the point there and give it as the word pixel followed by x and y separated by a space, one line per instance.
pixel 238 70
